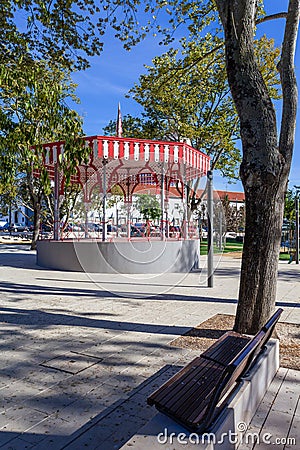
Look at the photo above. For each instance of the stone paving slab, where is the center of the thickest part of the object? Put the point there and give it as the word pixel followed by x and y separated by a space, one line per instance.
pixel 47 313
pixel 276 417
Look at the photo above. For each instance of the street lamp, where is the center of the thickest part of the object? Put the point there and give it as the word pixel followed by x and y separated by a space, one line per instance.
pixel 297 222
pixel 210 223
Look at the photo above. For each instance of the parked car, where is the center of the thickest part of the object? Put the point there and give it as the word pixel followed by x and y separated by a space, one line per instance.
pixel 111 228
pixel 137 230
pixel 93 227
pixel 47 228
pixel 231 234
pixel 17 227
pixel 139 225
pixel 4 226
pixel 73 227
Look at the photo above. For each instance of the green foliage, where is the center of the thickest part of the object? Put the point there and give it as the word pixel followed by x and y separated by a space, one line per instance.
pixel 268 56
pixel 69 31
pixel 289 207
pixel 148 206
pixel 187 96
pixel 133 127
pixel 50 29
pixel 34 110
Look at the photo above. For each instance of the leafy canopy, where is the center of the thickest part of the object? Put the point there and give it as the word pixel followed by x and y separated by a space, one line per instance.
pixel 70 31
pixel 34 110
pixel 185 95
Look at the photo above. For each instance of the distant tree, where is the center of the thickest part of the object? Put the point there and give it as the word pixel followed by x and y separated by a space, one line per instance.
pixel 65 32
pixel 188 97
pixel 289 218
pixel 148 206
pixel 234 215
pixel 34 111
pixel 289 205
pixel 133 127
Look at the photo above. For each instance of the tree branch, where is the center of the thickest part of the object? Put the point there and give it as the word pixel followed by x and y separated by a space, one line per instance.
pixel 281 15
pixel 288 82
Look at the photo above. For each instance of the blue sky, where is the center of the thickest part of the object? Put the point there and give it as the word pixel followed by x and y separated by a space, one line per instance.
pixel 111 75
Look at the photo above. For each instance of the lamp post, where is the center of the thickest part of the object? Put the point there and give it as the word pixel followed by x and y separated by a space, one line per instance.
pixel 210 222
pixel 297 222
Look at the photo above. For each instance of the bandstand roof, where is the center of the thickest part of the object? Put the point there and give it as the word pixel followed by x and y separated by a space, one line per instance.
pixel 128 158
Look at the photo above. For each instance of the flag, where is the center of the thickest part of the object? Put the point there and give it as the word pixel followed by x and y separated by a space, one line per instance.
pixel 119 123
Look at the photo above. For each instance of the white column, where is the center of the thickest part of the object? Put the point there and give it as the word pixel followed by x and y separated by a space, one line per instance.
pixel 162 205
pixel 104 162
pixel 185 205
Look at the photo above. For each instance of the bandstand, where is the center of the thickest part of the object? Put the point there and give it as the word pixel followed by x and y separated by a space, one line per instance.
pixel 127 163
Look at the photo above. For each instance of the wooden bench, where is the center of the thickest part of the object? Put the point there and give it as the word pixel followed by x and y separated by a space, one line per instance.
pixel 196 395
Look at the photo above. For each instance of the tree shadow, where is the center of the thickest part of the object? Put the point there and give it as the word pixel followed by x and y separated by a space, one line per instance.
pixel 20 289
pixel 38 319
pixel 26 259
pixel 110 428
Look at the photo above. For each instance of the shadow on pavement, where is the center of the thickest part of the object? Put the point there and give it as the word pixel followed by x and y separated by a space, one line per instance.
pixel 24 259
pixel 110 429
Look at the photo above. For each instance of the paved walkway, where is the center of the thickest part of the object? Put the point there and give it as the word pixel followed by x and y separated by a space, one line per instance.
pixel 276 421
pixel 80 352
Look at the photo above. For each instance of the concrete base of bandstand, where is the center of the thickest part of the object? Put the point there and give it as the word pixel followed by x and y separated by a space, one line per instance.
pixel 120 256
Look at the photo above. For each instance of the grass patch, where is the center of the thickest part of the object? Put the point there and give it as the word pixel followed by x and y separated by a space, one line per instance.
pixel 232 246
pixel 229 247
pixel 284 256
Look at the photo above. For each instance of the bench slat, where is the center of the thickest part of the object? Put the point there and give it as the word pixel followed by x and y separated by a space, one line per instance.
pixel 204 397
pixel 180 401
pixel 180 382
pixel 225 350
pixel 203 386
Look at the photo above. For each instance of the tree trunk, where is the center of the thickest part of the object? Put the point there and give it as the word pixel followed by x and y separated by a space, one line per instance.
pixel 265 166
pixel 257 294
pixel 36 224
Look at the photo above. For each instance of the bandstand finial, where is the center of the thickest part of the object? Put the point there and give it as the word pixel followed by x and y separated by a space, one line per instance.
pixel 119 129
